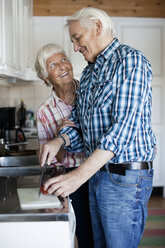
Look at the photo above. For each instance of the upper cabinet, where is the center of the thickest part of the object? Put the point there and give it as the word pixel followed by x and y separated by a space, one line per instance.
pixel 16 39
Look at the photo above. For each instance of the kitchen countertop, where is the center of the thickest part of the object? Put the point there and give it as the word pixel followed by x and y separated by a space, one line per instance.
pixel 48 227
pixel 23 171
pixel 10 210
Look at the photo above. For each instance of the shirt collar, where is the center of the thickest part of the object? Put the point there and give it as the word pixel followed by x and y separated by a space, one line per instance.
pixel 109 50
pixel 55 98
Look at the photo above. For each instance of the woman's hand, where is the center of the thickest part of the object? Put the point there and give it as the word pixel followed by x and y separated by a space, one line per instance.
pixel 65 123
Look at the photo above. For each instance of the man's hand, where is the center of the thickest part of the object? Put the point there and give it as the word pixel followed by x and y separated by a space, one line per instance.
pixel 49 149
pixel 64 185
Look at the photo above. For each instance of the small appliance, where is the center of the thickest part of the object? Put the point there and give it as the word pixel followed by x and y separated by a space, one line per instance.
pixel 11 135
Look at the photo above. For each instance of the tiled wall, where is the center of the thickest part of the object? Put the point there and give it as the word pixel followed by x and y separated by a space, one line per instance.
pixel 32 93
pixel 4 96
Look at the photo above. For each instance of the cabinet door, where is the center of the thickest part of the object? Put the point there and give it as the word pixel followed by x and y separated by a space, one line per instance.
pixel 24 58
pixel 15 34
pixel 1 36
pixel 8 36
pixel 28 15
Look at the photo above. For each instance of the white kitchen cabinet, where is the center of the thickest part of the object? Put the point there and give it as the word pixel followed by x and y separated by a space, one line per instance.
pixel 34 234
pixel 16 38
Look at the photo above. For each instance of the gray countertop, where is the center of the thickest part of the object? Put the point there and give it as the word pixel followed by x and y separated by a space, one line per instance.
pixel 10 210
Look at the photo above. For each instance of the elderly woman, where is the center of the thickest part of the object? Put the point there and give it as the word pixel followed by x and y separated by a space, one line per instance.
pixel 55 69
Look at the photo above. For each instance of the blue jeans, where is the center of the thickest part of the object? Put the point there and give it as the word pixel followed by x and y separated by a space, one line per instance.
pixel 118 206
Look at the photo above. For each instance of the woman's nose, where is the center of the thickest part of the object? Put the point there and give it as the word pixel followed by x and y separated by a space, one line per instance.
pixel 61 65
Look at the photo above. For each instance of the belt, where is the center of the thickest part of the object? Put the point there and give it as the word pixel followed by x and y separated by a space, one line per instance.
pixel 69 169
pixel 121 168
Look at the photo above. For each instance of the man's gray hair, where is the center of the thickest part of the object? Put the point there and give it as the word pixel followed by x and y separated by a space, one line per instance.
pixel 86 16
pixel 42 55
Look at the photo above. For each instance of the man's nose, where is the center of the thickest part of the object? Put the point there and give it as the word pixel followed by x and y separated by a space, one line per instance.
pixel 76 47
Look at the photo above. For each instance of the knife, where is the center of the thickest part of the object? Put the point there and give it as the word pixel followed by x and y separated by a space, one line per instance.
pixel 42 177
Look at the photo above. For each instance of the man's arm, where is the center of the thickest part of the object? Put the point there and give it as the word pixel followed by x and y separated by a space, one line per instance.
pixel 66 184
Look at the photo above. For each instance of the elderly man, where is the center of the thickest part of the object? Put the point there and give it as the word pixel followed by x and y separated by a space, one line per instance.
pixel 113 112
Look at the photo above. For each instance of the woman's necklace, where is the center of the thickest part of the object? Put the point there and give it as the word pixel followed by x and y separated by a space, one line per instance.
pixel 74 95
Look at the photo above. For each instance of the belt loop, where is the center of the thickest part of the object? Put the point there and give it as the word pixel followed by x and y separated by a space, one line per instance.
pixel 107 168
pixel 149 167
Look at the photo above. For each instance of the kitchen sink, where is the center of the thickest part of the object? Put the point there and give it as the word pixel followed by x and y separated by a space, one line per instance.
pixel 19 166
pixel 15 161
pixel 16 166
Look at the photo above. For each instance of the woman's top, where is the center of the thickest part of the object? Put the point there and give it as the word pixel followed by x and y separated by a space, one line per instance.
pixel 50 115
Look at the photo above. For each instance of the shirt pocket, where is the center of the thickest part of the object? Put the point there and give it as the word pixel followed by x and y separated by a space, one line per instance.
pixel 103 95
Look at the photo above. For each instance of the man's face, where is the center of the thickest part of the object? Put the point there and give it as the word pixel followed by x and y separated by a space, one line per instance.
pixel 84 40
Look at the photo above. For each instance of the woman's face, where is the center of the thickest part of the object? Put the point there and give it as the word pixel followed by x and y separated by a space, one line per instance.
pixel 60 71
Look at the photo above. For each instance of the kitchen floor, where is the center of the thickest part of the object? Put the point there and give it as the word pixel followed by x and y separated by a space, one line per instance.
pixel 156 202
pixel 154 233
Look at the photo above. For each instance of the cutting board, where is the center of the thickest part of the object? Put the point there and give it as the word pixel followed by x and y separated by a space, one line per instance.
pixel 29 199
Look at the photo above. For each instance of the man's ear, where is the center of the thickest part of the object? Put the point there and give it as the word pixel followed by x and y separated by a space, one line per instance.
pixel 99 27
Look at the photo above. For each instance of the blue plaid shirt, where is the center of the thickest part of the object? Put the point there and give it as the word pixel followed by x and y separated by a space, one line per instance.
pixel 113 108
